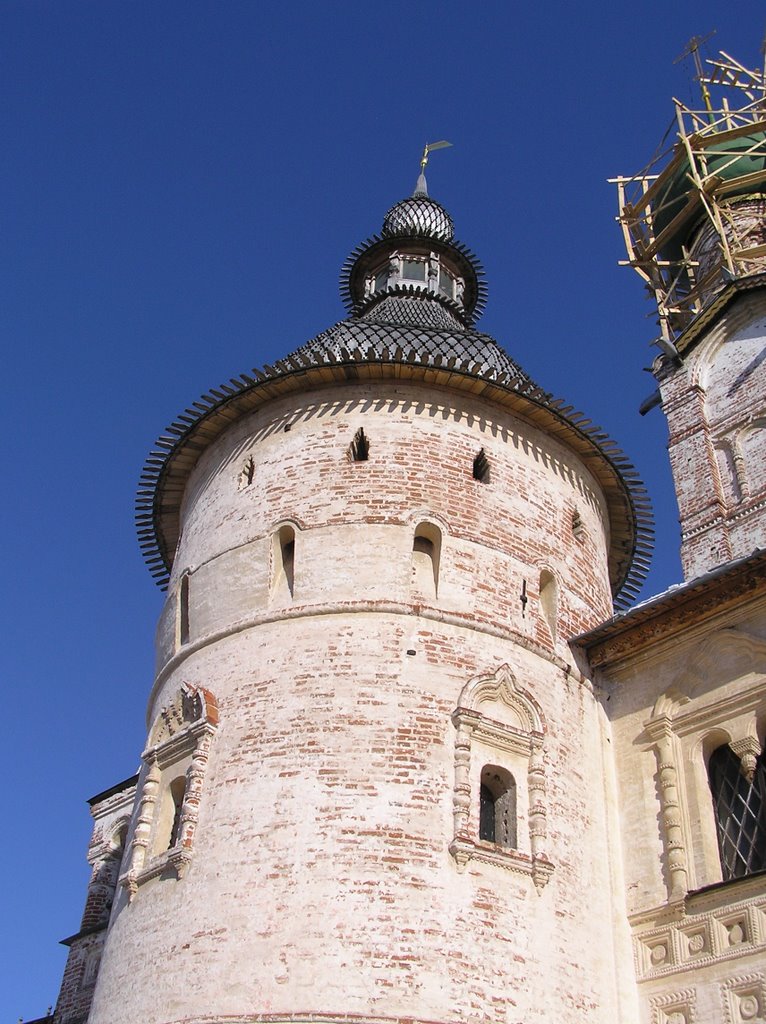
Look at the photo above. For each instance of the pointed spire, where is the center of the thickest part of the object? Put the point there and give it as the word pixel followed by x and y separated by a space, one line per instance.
pixel 421 189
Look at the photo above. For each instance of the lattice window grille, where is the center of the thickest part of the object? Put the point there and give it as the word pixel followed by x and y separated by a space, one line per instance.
pixel 740 811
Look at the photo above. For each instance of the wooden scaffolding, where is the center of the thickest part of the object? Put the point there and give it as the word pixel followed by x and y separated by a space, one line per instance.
pixel 694 183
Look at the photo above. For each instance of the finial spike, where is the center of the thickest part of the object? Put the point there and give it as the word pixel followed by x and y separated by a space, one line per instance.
pixel 421 189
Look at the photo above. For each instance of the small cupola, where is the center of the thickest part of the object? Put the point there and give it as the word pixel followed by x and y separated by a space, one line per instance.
pixel 415 256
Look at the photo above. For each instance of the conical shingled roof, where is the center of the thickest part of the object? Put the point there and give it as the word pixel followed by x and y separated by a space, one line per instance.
pixel 394 332
pixel 418 330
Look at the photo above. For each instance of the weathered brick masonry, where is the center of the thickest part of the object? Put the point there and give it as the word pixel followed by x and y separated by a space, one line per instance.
pixel 321 856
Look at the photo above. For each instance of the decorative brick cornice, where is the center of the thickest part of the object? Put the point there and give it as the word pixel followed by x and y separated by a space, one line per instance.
pixel 664 616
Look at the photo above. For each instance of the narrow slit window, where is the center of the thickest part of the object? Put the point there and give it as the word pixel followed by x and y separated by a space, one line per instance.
pixel 497 807
pixel 549 600
pixel 426 552
pixel 183 609
pixel 481 467
pixel 284 560
pixel 360 447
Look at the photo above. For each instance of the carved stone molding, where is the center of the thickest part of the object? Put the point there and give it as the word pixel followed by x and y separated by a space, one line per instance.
pixel 744 999
pixel 659 730
pixel 696 940
pixel 686 716
pixel 748 750
pixel 690 604
pixel 674 1008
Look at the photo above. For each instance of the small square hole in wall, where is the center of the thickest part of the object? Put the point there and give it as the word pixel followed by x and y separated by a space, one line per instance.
pixel 481 467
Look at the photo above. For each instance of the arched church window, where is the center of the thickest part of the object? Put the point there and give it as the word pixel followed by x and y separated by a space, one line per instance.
pixel 446 283
pixel 497 807
pixel 739 799
pixel 246 473
pixel 415 270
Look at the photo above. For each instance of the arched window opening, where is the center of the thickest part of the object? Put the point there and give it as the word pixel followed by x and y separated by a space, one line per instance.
pixel 177 793
pixel 497 807
pixel 284 560
pixel 549 600
pixel 426 552
pixel 360 447
pixel 183 609
pixel 481 467
pixel 739 801
pixel 118 839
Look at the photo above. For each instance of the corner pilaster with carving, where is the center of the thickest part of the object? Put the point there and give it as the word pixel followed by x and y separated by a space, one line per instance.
pixel 660 731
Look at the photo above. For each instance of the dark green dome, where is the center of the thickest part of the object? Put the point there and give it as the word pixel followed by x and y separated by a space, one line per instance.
pixel 722 161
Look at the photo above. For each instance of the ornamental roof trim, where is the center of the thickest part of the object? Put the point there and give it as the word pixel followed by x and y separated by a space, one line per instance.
pixel 391 352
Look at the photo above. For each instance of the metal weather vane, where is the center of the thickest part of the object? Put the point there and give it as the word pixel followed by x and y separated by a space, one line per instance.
pixel 429 148
pixel 422 188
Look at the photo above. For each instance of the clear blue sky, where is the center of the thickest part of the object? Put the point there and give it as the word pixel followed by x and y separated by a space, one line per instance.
pixel 181 182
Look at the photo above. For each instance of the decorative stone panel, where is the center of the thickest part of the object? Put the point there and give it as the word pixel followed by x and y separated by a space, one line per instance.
pixel 700 939
pixel 675 1008
pixel 744 999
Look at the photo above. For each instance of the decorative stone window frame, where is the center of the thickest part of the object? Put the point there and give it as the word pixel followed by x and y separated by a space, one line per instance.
pixel 517 727
pixel 688 721
pixel 181 733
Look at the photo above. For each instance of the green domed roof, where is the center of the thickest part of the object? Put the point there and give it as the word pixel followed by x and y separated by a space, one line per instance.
pixel 727 160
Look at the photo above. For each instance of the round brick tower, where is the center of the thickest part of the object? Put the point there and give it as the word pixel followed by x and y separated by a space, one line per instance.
pixel 374 783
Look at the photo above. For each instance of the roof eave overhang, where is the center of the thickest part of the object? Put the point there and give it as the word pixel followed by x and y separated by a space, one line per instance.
pixel 170 464
pixel 661 617
pixel 711 313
